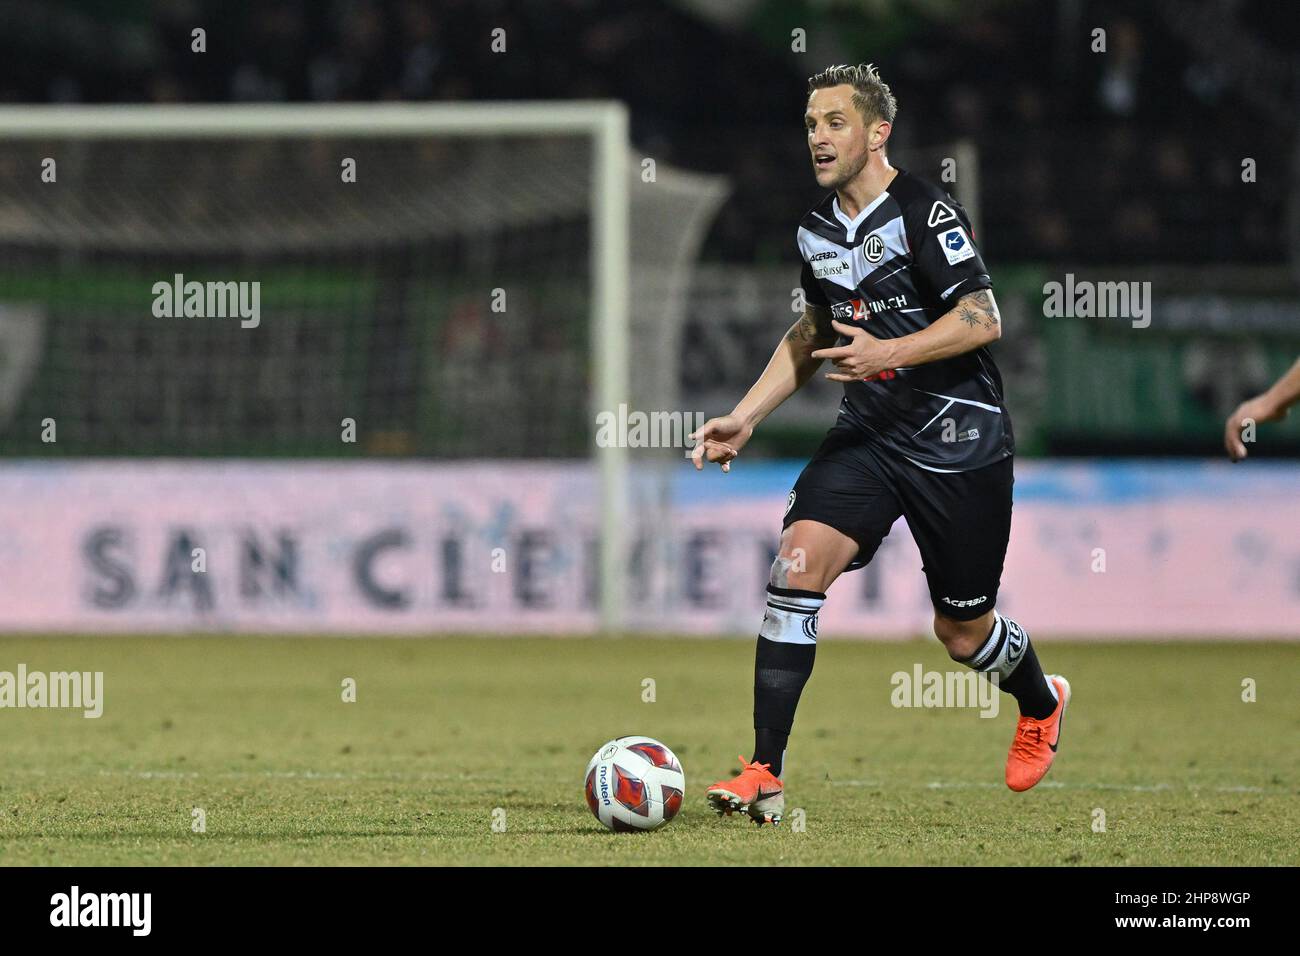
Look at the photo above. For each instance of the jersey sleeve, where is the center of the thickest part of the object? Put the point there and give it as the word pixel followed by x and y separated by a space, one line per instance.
pixel 812 291
pixel 943 250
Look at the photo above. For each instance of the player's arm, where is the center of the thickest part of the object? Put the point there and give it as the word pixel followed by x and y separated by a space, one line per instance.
pixel 971 323
pixel 1268 407
pixel 792 364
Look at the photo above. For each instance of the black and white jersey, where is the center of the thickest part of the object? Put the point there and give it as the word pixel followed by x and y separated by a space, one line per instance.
pixel 903 262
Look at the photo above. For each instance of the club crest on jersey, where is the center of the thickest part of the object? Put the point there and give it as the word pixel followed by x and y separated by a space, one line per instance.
pixel 850 311
pixel 956 246
pixel 874 248
pixel 939 214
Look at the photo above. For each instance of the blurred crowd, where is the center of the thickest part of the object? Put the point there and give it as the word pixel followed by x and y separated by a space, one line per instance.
pixel 1126 155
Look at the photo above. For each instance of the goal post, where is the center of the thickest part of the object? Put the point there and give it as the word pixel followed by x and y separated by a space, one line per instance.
pixel 609 323
pixel 52 239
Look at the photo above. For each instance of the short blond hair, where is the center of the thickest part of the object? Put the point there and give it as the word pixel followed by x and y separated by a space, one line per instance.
pixel 871 95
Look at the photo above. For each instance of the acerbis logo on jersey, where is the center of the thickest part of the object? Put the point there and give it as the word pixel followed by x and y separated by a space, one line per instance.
pixel 822 268
pixel 874 248
pixel 956 246
pixel 939 214
pixel 789 503
pixel 968 602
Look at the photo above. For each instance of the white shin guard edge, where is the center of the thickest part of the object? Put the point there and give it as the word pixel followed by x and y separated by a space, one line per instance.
pixel 791 619
pixel 1005 648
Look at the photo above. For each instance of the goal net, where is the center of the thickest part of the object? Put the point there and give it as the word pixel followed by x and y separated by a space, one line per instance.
pixel 425 277
pixel 457 281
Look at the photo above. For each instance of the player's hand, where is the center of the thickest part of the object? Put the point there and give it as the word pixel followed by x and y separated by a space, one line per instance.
pixel 864 355
pixel 720 440
pixel 1258 409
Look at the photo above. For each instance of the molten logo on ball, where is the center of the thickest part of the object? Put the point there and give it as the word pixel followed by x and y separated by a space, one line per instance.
pixel 634 783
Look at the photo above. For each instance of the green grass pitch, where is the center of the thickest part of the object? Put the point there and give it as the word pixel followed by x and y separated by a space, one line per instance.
pixel 445 731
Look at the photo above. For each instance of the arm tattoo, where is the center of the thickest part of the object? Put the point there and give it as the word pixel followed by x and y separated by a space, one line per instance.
pixel 978 310
pixel 813 327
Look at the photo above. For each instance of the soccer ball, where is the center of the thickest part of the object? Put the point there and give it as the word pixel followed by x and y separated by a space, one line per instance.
pixel 634 783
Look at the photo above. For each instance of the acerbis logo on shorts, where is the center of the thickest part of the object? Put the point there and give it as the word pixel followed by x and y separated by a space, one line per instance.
pixel 970 602
pixel 789 503
pixel 810 626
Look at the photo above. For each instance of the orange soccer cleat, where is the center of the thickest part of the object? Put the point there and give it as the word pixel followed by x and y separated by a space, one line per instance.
pixel 755 791
pixel 1034 746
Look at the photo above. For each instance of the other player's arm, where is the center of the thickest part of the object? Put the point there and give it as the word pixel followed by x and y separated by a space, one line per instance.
pixel 792 364
pixel 971 323
pixel 1267 407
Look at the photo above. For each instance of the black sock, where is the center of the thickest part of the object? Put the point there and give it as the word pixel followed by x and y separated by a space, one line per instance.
pixel 780 672
pixel 783 660
pixel 1008 653
pixel 769 748
pixel 1029 687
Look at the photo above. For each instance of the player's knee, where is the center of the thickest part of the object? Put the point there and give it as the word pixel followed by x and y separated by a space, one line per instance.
pixel 790 570
pixel 961 638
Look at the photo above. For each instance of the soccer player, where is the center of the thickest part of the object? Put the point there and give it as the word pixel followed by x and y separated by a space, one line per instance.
pixel 1271 406
pixel 898 298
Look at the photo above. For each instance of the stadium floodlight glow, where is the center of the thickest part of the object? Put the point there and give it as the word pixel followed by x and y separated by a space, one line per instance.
pixel 604 122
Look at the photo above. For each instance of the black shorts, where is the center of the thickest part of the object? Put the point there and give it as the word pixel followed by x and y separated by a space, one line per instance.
pixel 961 520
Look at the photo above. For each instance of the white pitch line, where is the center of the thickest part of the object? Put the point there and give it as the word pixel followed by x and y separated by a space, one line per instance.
pixel 1051 784
pixel 290 775
pixel 471 778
